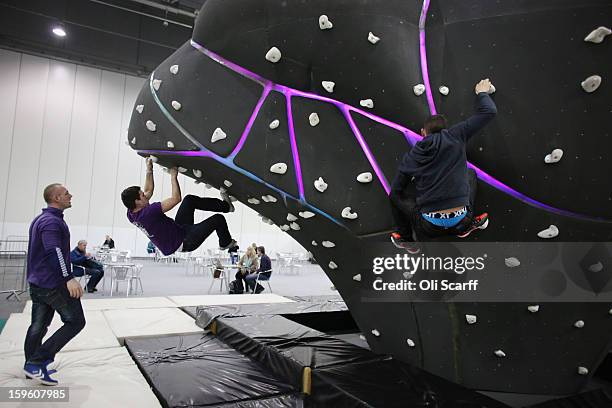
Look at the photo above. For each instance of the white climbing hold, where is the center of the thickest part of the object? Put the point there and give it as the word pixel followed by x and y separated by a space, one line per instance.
pixel 418 89
pixel 610 312
pixel 324 23
pixel 471 319
pixel 491 89
pixel 549 232
pixel 273 55
pixel 332 265
pixel 410 343
pixel 217 135
pixel 444 90
pixel 295 226
pixel 151 125
pixel 133 140
pixel 579 324
pixel 253 201
pixel 269 199
pixel 362 337
pixel 357 278
pixel 320 185
pixel 174 69
pixel 274 124
pixel 279 168
pixel 182 170
pixel 500 353
pixel 176 105
pixel 553 157
pixel 597 35
pixel 139 108
pixel 197 173
pixel 170 144
pixel 591 83
pixel 291 217
pixel 376 332
pixel 328 86
pixel 348 214
pixel 328 244
pixel 367 103
pixel 313 118
pixel 285 227
pixel 583 370
pixel 306 214
pixel 364 177
pixel 372 38
pixel 533 308
pixel 314 243
pixel 157 84
pixel 154 159
pixel 512 262
pixel 598 267
pixel 227 183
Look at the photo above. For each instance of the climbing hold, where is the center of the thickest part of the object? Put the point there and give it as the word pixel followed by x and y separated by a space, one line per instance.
pixel 598 267
pixel 549 232
pixel 346 213
pixel 491 89
pixel 410 342
pixel 151 125
pixel 583 370
pixel 418 89
pixel 500 353
pixel 157 84
pixel 269 199
pixel 376 332
pixel 273 55
pixel 279 168
pixel 533 308
pixel 197 173
pixel 182 170
pixel 174 69
pixel 253 201
pixel 328 244
pixel 597 35
pixel 154 159
pixel 314 243
pixel 444 90
pixel 554 156
pixel 170 144
pixel 176 105
pixel 610 312
pixel 591 83
pixel 295 226
pixel 357 278
pixel 306 214
pixel 274 124
pixel 320 185
pixel 227 183
pixel 471 319
pixel 139 108
pixel 328 86
pixel 207 186
pixel 362 337
pixel 285 227
pixel 364 177
pixel 579 324
pixel 512 262
pixel 367 103
pixel 291 217
pixel 324 23
pixel 233 199
pixel 267 221
pixel 217 135
pixel 133 140
pixel 332 265
pixel 313 119
pixel 372 38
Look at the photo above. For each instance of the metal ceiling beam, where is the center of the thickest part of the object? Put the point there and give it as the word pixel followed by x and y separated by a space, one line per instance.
pixel 169 9
pixel 178 23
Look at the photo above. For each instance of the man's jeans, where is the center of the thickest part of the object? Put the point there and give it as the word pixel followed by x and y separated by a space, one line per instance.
pixel 45 302
pixel 94 269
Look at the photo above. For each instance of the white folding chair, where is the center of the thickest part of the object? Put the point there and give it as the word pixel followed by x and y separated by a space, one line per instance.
pixel 134 280
pixel 84 276
pixel 263 280
pixel 119 274
pixel 217 267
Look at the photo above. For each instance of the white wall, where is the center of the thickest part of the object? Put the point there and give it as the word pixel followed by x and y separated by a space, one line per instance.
pixel 67 123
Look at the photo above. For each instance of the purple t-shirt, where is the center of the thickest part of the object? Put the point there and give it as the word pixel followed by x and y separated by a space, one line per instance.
pixel 162 230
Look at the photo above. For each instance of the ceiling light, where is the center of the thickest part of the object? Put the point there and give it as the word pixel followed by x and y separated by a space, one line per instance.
pixel 59 31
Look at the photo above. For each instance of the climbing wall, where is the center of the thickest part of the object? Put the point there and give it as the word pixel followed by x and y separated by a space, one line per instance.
pixel 302 110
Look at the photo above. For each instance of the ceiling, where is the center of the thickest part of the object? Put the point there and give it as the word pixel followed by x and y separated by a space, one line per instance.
pixel 129 36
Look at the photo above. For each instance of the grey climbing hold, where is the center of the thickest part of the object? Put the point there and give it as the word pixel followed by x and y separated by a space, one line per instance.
pixel 207 186
pixel 591 83
pixel 170 144
pixel 197 173
pixel 291 217
pixel 357 278
pixel 157 84
pixel 253 201
pixel 598 267
pixel 267 221
pixel 151 125
pixel 579 324
pixel 471 319
pixel 598 35
pixel 295 226
pixel 583 370
pixel 314 243
pixel 410 343
pixel 306 214
pixel 174 69
pixel 367 103
pixel 376 332
pixel 273 55
pixel 364 177
pixel 324 23
pixel 372 38
pixel 217 135
pixel 444 90
pixel 227 183
pixel 320 185
pixel 348 214
pixel 182 170
pixel 279 168
pixel 500 353
pixel 328 86
pixel 512 262
pixel 553 157
pixel 328 244
pixel 285 227
pixel 418 89
pixel 313 119
pixel 533 308
pixel 139 108
pixel 549 232
pixel 176 105
pixel 332 265
pixel 274 124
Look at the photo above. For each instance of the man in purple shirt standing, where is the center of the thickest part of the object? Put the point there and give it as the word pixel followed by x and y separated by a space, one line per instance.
pixel 180 234
pixel 52 286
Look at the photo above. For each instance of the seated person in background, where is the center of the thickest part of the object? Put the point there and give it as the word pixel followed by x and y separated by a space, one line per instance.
pixel 248 264
pixel 80 257
pixel 264 271
pixel 109 243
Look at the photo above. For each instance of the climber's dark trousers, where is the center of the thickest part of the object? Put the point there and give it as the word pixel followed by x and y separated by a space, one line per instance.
pixel 197 233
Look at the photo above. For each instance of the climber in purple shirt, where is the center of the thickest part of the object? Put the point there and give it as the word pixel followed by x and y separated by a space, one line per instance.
pixel 181 233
